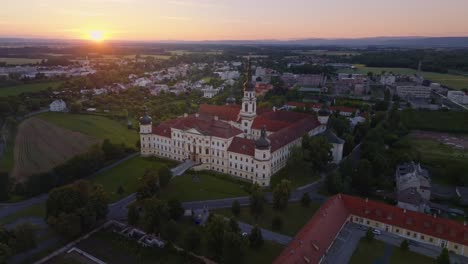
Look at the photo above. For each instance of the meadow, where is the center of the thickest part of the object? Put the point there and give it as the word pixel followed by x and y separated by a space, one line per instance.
pixel 27 88
pixel 450 80
pixel 99 127
pixel 441 121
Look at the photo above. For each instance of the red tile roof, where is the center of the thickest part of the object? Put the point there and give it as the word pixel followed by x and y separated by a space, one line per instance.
pixel 242 146
pixel 292 132
pixel 203 124
pixel 311 243
pixel 271 125
pixel 343 109
pixel 224 112
pixel 433 226
pixel 318 234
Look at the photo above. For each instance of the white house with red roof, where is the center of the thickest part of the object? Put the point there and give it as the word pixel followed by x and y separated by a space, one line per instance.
pixel 240 140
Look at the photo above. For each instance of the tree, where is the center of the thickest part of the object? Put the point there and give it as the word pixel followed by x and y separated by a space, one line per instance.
pixel 112 151
pixel 235 208
pixel 5 253
pixel 444 257
pixel 171 231
pixel 148 186
pixel 4 186
pixel 76 208
pixel 256 237
pixel 349 144
pixel 318 153
pixel 281 194
pixel 120 190
pixel 234 226
pixel 404 245
pixel 362 177
pixel 175 209
pixel 165 176
pixel 257 201
pixel 192 240
pixel 133 216
pixel 24 237
pixel 305 200
pixel 233 248
pixel 369 235
pixel 75 107
pixel 155 215
pixel 214 230
pixel 277 223
pixel 334 182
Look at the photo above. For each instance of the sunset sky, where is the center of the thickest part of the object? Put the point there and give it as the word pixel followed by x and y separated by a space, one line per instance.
pixel 231 19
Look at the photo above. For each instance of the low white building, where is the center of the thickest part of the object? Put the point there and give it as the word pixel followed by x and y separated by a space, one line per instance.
pixel 387 79
pixel 413 186
pixel 413 91
pixel 58 106
pixel 458 97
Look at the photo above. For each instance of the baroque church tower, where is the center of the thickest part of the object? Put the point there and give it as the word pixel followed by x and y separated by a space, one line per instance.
pixel 249 104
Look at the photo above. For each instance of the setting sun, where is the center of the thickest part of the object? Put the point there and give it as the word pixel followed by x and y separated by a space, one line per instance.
pixel 96 35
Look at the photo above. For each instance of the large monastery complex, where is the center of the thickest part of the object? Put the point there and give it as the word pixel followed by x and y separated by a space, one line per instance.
pixel 240 140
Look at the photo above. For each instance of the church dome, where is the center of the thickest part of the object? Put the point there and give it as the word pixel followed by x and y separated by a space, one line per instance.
pixel 145 119
pixel 262 143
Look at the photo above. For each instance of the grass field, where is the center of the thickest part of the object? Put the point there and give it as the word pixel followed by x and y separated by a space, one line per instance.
pixel 19 61
pixel 27 88
pixel 182 187
pixel 37 210
pixel 294 217
pixel 95 126
pixel 207 187
pixel 373 252
pixel 40 146
pixel 453 122
pixel 186 52
pixel 450 80
pixel 299 174
pixel 126 175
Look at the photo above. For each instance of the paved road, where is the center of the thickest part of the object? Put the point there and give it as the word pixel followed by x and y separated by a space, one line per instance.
pixel 11 208
pixel 118 210
pixel 267 234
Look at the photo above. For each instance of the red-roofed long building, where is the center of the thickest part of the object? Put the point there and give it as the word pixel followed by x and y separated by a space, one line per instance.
pixel 314 240
pixel 235 139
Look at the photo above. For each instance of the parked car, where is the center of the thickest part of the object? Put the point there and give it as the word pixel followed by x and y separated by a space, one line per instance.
pixel 376 232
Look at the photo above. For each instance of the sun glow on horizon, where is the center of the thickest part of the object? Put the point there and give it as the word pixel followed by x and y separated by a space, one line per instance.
pixel 96 35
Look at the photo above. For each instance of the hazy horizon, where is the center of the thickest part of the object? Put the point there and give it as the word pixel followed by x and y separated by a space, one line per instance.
pixel 218 20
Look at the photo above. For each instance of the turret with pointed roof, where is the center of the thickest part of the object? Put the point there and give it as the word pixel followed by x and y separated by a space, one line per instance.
pixel 248 85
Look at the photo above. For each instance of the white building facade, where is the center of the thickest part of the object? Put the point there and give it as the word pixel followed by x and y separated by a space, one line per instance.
pixel 234 139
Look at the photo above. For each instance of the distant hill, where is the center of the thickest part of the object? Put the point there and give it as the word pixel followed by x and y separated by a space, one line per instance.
pixel 410 42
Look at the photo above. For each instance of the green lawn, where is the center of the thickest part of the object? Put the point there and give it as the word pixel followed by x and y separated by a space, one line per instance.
pixel 373 252
pixel 126 175
pixel 19 61
pixel 300 173
pixel 450 80
pixel 37 210
pixel 24 88
pixel 95 126
pixel 264 255
pixel 294 217
pixel 207 187
pixel 441 121
pixel 180 187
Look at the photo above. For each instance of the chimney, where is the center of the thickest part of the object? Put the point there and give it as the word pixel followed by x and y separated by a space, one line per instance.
pixel 216 118
pixel 367 199
pixel 197 115
pixel 274 108
pixel 404 211
pixel 185 114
